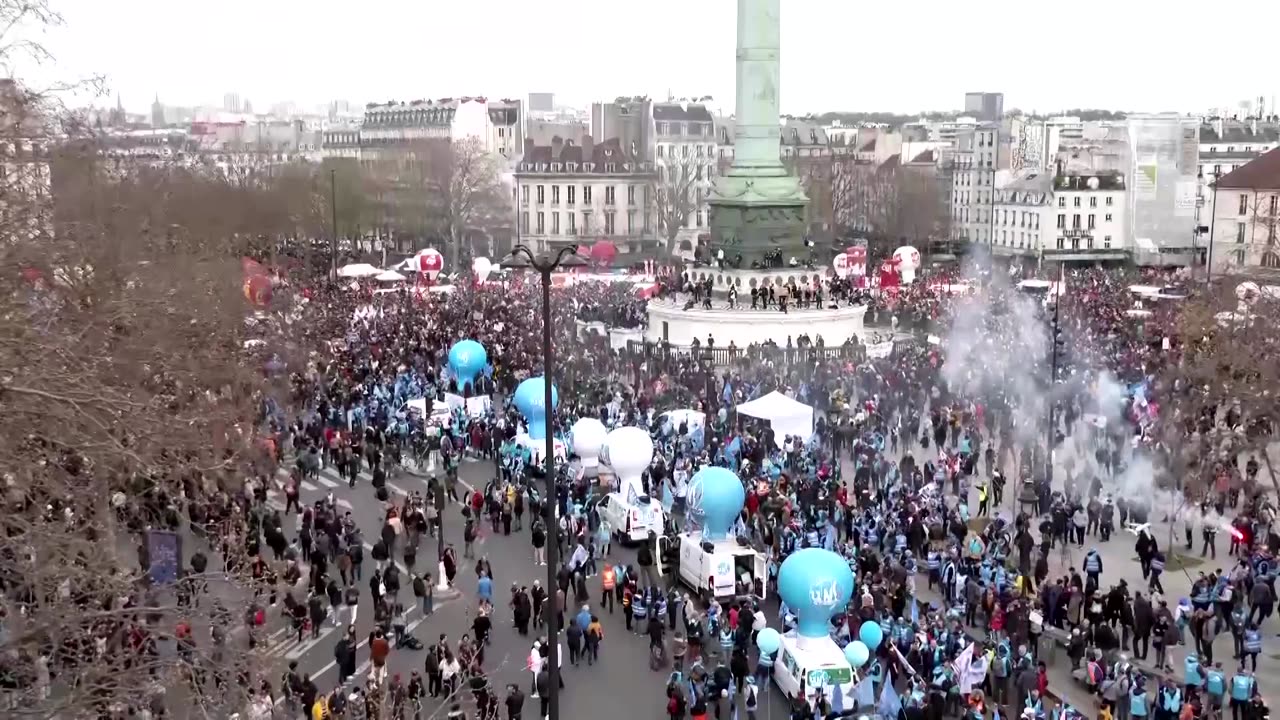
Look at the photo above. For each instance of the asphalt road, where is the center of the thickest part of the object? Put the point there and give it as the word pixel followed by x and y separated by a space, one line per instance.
pixel 622 677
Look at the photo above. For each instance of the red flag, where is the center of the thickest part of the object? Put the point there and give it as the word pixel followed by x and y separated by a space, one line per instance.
pixel 252 267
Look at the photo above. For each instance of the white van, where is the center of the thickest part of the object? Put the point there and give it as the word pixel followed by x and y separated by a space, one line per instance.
pixel 821 663
pixel 632 521
pixel 722 569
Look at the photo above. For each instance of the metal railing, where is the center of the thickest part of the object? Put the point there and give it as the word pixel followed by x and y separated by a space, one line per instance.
pixel 726 356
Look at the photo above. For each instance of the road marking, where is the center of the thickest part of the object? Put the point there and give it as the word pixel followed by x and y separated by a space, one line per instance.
pixel 399 490
pixel 309 487
pixel 326 481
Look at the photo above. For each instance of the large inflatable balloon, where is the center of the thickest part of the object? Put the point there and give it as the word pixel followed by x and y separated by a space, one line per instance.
pixel 630 451
pixel 815 584
pixel 857 653
pixel 908 262
pixel 466 359
pixel 588 436
pixel 871 634
pixel 768 641
pixel 430 263
pixel 714 501
pixel 530 400
pixel 481 266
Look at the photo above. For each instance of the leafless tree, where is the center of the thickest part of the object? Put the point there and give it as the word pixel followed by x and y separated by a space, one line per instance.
pixel 1223 401
pixel 677 192
pixel 127 401
pixel 888 203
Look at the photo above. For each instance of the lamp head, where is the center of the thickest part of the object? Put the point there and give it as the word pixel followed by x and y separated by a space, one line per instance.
pixel 568 257
pixel 518 259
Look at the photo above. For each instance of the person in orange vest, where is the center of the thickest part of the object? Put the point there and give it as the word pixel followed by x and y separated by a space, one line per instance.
pixel 608 581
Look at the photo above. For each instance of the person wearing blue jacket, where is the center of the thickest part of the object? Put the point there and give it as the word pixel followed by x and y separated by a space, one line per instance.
pixel 1252 646
pixel 1171 700
pixel 1138 701
pixel 1215 685
pixel 1192 674
pixel 1243 686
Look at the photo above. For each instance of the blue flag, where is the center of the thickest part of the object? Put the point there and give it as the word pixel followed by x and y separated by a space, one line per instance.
pixel 915 612
pixel 864 693
pixel 995 714
pixel 837 699
pixel 890 703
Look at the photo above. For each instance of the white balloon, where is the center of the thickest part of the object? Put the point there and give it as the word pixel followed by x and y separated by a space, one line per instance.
pixel 482 266
pixel 589 435
pixel 630 451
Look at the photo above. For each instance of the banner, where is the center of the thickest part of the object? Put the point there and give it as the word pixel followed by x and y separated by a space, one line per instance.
pixel 164 549
pixel 880 349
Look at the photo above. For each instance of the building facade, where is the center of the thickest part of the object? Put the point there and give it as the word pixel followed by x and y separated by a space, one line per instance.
pixel 499 125
pixel 1090 222
pixel 685 159
pixel 975 161
pixel 573 192
pixel 1244 211
pixel 1023 214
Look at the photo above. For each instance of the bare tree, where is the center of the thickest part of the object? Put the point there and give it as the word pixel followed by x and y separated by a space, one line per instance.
pixel 677 191
pixel 1222 382
pixel 887 203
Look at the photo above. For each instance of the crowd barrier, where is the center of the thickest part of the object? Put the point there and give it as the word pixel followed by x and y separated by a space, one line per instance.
pixel 726 356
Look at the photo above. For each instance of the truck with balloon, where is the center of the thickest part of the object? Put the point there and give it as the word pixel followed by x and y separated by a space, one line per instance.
pixel 711 559
pixel 631 512
pixel 816 584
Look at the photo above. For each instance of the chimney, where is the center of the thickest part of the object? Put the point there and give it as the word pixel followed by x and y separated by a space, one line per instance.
pixel 1253 125
pixel 557 145
pixel 1218 126
pixel 588 148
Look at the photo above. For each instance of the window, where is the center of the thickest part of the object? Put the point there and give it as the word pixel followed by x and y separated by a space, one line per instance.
pixel 586 222
pixel 1093 221
pixel 524 222
pixel 1108 217
pixel 1275 205
pixel 542 221
pixel 1109 199
pixel 631 222
pixel 1093 201
pixel 555 223
pixel 1061 243
pixel 631 194
pixel 524 195
pixel 1075 221
pixel 572 217
pixel 660 149
pixel 569 192
pixel 1062 202
pixel 586 199
pixel 608 194
pixel 555 194
pixel 1239 257
pixel 662 128
pixel 1075 201
pixel 700 219
pixel 608 222
pixel 1244 205
pixel 1270 260
pixel 1106 242
pixel 1089 243
pixel 542 194
pixel 684 151
pixel 1240 230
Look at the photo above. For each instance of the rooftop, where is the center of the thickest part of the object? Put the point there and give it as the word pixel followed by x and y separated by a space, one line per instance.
pixel 1030 181
pixel 1089 182
pixel 682 112
pixel 1240 133
pixel 1260 174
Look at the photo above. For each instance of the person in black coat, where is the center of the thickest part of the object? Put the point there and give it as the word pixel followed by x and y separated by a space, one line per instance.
pixel 344 654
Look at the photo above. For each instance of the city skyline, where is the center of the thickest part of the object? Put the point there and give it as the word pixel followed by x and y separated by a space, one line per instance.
pixel 390 51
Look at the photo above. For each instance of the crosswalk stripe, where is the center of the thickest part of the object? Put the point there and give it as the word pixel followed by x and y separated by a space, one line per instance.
pixel 309 487
pixel 324 480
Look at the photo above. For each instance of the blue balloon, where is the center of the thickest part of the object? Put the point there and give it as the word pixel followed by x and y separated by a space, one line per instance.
pixel 816 584
pixel 871 634
pixel 716 496
pixel 466 359
pixel 857 653
pixel 530 400
pixel 768 641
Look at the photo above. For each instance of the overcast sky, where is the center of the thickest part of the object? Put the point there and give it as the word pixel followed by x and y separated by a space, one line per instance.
pixel 836 54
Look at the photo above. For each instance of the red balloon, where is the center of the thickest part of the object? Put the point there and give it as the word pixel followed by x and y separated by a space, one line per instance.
pixel 257 289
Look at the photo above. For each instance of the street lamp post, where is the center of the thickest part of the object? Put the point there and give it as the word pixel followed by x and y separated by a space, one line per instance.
pixel 1213 216
pixel 333 216
pixel 545 264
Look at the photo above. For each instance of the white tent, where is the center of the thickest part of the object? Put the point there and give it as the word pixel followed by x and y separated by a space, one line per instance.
pixel 358 270
pixel 786 416
pixel 389 276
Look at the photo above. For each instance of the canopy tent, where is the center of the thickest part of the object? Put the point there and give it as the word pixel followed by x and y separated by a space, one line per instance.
pixel 786 416
pixel 358 270
pixel 389 276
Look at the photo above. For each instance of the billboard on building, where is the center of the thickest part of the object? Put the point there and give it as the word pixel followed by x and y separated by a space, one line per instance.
pixel 1164 157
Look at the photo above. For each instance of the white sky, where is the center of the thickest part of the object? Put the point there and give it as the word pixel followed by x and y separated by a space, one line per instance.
pixel 836 54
